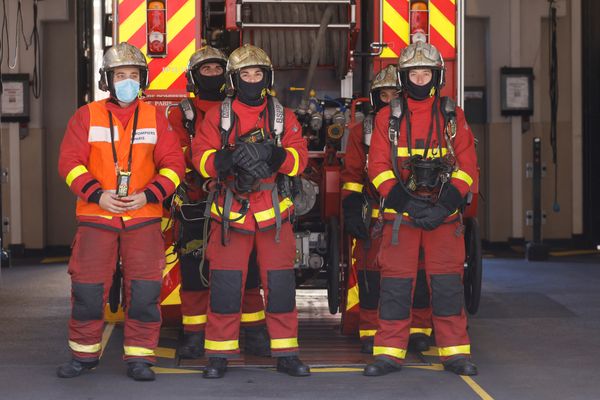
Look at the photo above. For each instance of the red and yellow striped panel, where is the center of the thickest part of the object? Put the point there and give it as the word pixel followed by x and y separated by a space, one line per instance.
pixel 166 74
pixel 395 27
pixel 442 29
pixel 169 294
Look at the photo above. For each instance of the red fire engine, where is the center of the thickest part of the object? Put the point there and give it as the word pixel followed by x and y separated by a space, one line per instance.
pixel 324 52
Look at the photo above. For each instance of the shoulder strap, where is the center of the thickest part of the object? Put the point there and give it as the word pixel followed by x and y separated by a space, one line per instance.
pixel 396 113
pixel 227 121
pixel 188 115
pixel 368 131
pixel 276 119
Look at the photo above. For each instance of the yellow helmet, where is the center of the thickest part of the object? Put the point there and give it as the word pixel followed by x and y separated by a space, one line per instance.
pixel 248 56
pixel 123 55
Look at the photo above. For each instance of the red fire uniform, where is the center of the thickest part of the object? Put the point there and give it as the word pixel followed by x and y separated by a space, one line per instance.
pixel 355 180
pixel 255 229
pixel 443 246
pixel 194 294
pixel 86 163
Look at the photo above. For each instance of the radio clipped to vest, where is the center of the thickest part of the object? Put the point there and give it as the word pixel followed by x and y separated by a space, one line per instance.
pixel 188 114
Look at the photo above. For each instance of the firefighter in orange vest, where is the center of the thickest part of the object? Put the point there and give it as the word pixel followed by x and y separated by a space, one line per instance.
pixel 121 160
pixel 251 145
pixel 206 79
pixel 360 198
pixel 422 162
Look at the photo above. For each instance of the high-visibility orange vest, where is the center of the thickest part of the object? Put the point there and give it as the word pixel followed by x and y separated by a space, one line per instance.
pixel 101 162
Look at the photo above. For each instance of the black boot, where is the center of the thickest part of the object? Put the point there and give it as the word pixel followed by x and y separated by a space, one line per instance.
pixel 256 341
pixel 292 366
pixel 418 342
pixel 380 367
pixel 460 365
pixel 140 371
pixel 74 368
pixel 216 368
pixel 192 346
pixel 367 346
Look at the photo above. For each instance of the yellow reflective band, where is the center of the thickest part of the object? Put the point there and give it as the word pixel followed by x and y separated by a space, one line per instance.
pixel 270 213
pixel 389 351
pixel 382 177
pixel 138 351
pixel 284 343
pixel 403 152
pixel 253 317
pixel 221 345
pixel 367 333
pixel 463 176
pixel 424 331
pixel 205 156
pixel 294 154
pixel 232 214
pixel 85 348
pixel 353 299
pixel 171 175
pixel 353 187
pixel 75 173
pixel 454 350
pixel 375 213
pixel 193 319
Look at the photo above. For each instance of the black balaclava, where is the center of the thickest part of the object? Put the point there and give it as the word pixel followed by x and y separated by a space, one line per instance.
pixel 378 104
pixel 209 87
pixel 252 94
pixel 417 92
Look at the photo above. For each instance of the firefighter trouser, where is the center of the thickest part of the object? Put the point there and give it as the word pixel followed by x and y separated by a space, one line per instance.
pixel 365 255
pixel 229 265
pixel 443 260
pixel 92 265
pixel 194 292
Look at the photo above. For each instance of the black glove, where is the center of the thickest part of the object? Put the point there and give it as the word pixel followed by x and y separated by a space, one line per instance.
pixel 401 201
pixel 432 217
pixel 277 158
pixel 354 224
pixel 223 161
pixel 260 170
pixel 248 154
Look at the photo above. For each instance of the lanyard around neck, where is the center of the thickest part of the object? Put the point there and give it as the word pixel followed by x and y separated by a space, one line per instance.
pixel 112 139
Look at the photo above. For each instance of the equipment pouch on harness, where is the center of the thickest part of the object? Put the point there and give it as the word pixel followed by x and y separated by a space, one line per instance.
pixel 188 112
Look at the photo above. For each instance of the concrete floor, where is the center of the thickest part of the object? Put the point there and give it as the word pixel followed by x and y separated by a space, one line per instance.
pixel 535 337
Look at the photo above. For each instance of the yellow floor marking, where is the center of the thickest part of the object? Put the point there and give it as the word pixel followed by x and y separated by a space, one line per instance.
pixel 433 351
pixel 337 369
pixel 50 260
pixel 476 388
pixel 572 253
pixel 108 330
pixel 164 352
pixel 160 370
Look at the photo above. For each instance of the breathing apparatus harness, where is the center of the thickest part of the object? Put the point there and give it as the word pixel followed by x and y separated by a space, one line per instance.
pixel 426 175
pixel 276 118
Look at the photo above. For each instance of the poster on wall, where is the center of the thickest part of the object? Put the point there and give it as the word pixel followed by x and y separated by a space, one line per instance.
pixel 15 98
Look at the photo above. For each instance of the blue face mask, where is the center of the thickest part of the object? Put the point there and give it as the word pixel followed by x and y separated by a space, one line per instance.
pixel 127 90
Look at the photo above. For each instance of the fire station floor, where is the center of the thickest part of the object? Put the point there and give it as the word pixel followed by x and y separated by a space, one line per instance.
pixel 534 337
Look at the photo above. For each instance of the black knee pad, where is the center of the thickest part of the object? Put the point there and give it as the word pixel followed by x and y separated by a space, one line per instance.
pixel 368 289
pixel 282 291
pixel 446 295
pixel 144 301
pixel 395 298
pixel 421 295
pixel 87 301
pixel 253 276
pixel 225 291
pixel 190 273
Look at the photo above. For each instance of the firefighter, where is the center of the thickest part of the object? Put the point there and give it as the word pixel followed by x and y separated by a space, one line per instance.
pixel 422 162
pixel 360 198
pixel 121 160
pixel 251 145
pixel 206 79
